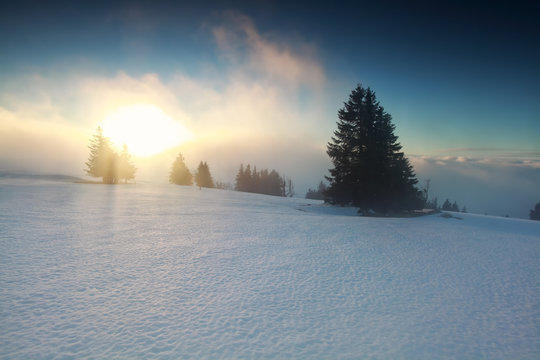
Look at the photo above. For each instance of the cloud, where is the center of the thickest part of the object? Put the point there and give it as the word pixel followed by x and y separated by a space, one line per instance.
pixel 493 155
pixel 243 45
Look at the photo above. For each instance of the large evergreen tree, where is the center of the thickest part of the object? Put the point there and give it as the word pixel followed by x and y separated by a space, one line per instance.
pixel 180 174
pixel 203 178
pixel 102 161
pixel 370 171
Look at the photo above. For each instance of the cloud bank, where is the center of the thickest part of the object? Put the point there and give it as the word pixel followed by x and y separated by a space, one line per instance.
pixel 503 185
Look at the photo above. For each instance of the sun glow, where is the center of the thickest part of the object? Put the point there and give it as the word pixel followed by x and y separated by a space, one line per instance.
pixel 145 129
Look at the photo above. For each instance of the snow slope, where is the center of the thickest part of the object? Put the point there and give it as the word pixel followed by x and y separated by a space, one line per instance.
pixel 172 272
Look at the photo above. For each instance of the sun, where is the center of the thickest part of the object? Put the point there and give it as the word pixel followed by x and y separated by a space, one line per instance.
pixel 144 128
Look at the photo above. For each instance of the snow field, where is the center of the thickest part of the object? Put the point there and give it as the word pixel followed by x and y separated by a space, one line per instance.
pixel 170 272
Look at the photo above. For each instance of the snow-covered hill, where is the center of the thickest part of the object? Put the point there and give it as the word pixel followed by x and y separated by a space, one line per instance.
pixel 172 272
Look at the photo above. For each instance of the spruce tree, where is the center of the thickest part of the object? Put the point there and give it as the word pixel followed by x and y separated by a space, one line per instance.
pixel 203 178
pixel 370 171
pixel 180 174
pixel 447 206
pixel 241 183
pixel 240 179
pixel 102 161
pixel 126 169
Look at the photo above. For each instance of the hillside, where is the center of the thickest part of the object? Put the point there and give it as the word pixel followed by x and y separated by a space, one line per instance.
pixel 169 272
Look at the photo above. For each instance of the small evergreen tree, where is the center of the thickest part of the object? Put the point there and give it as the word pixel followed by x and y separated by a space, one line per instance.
pixel 425 193
pixel 369 170
pixel 447 206
pixel 257 180
pixel 432 204
pixel 535 213
pixel 126 169
pixel 274 184
pixel 203 178
pixel 249 185
pixel 455 207
pixel 239 183
pixel 102 161
pixel 180 174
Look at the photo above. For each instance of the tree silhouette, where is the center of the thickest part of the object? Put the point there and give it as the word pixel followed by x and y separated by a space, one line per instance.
pixel 317 194
pixel 240 179
pixel 180 174
pixel 102 161
pixel 447 206
pixel 369 170
pixel 263 182
pixel 432 204
pixel 425 192
pixel 203 178
pixel 244 181
pixel 126 169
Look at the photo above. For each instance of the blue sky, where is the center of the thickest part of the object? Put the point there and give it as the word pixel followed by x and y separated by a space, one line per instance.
pixel 262 84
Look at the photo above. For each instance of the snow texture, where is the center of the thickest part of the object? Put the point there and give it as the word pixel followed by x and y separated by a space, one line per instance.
pixel 173 272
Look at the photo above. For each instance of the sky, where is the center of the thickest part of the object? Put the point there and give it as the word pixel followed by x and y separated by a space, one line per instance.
pixel 261 83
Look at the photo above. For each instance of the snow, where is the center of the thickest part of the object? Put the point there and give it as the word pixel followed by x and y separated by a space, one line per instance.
pixel 170 272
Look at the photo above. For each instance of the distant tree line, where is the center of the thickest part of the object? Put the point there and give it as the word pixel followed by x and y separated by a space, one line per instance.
pixel 224 185
pixel 317 194
pixel 446 206
pixel 105 163
pixel 262 182
pixel 247 180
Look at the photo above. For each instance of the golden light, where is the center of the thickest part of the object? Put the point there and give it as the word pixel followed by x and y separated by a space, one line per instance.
pixel 144 128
